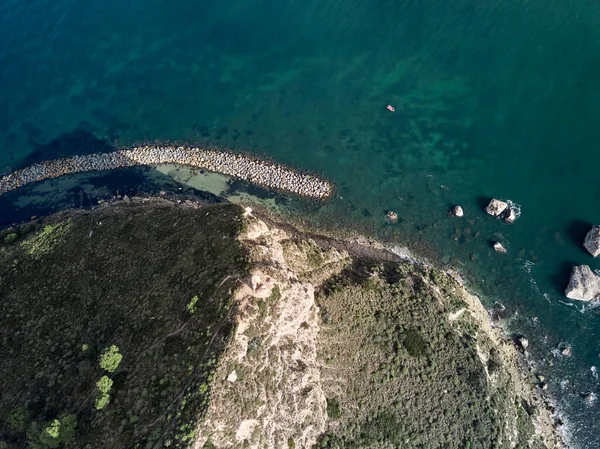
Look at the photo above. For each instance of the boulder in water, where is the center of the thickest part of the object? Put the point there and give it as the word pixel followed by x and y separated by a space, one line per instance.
pixel 457 211
pixel 509 215
pixel 584 284
pixel 499 248
pixel 592 241
pixel 392 217
pixel 496 207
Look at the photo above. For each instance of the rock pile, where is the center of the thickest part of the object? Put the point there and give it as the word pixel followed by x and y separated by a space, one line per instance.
pixel 246 168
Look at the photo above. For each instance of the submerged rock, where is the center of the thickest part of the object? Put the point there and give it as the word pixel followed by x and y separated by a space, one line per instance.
pixel 392 217
pixel 584 284
pixel 592 241
pixel 589 397
pixel 496 207
pixel 565 349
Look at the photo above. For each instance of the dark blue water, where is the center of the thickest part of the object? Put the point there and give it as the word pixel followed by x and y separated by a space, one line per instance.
pixel 492 99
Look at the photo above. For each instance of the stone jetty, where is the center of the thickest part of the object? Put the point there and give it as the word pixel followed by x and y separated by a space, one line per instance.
pixel 246 168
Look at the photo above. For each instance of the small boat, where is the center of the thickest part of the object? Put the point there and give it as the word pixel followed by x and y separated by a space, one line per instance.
pixel 390 108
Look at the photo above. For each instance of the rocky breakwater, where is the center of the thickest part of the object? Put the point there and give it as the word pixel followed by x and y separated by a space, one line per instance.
pixel 246 168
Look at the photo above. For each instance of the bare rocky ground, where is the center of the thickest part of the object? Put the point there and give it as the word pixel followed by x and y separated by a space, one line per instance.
pixel 240 332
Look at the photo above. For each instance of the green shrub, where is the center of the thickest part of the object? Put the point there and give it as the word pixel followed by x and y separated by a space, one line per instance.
pixel 68 427
pixel 254 345
pixel 9 238
pixel 19 419
pixel 104 384
pixel 193 305
pixel 103 398
pixel 333 408
pixel 414 343
pixel 52 434
pixel 275 294
pixel 110 359
pixel 102 401
pixel 45 240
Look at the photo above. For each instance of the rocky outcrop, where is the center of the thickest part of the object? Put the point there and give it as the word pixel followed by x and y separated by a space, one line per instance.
pixel 584 285
pixel 592 241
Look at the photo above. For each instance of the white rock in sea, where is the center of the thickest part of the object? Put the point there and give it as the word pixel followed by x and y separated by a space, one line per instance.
pixel 592 241
pixel 499 248
pixel 584 284
pixel 496 207
pixel 457 211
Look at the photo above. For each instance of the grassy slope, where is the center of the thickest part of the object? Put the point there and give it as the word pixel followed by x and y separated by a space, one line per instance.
pixel 123 276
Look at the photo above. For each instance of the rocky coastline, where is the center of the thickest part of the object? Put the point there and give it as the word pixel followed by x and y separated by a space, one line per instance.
pixel 250 169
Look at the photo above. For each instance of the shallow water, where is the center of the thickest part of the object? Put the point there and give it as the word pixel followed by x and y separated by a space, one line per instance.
pixel 492 99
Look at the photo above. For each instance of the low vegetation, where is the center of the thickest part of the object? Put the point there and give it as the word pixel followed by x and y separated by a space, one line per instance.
pixel 112 323
pixel 417 380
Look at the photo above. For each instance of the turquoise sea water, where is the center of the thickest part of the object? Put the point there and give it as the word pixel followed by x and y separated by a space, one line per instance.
pixel 493 98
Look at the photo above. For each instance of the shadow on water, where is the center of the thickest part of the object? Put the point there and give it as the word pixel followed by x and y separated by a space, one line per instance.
pixel 483 201
pixel 560 279
pixel 577 230
pixel 72 143
pixel 86 189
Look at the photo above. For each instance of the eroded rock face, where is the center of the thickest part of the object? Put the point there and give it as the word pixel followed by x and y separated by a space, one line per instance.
pixel 496 207
pixel 584 284
pixel 592 241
